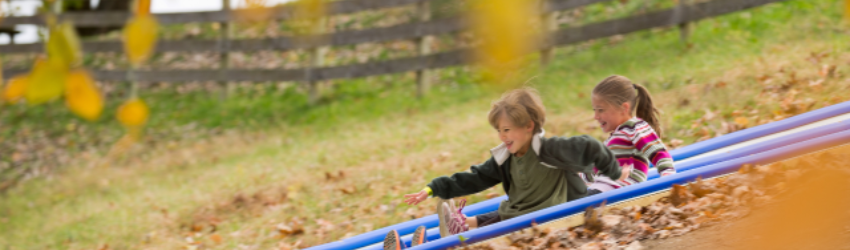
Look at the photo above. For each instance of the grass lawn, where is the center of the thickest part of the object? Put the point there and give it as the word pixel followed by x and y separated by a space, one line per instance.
pixel 340 168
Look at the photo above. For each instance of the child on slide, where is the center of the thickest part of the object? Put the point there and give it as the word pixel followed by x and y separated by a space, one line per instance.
pixel 635 140
pixel 536 172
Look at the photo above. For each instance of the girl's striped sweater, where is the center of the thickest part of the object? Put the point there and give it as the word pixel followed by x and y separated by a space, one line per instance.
pixel 636 144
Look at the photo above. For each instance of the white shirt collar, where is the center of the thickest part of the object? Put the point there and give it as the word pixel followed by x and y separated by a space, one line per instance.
pixel 501 153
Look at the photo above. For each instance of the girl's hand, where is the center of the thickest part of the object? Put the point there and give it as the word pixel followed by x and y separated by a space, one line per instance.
pixel 415 198
pixel 626 171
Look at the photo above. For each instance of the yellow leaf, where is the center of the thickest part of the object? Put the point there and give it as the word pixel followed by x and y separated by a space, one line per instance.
pixel 847 10
pixel 507 32
pixel 254 12
pixel 308 17
pixel 143 7
pixel 310 9
pixel 140 36
pixel 133 113
pixel 46 81
pixel 740 120
pixel 255 3
pixel 63 46
pixel 15 88
pixel 82 96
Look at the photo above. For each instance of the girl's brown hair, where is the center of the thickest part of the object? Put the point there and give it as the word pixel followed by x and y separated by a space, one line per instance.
pixel 521 106
pixel 617 90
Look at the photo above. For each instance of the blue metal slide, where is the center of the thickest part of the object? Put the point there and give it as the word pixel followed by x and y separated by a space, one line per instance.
pixel 804 133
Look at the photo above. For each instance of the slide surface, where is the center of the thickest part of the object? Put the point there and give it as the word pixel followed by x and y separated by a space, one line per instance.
pixel 804 133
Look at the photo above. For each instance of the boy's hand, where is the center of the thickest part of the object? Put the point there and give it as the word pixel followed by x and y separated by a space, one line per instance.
pixel 415 198
pixel 626 171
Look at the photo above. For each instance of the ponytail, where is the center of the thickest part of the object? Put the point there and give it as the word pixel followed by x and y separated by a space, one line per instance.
pixel 619 89
pixel 646 110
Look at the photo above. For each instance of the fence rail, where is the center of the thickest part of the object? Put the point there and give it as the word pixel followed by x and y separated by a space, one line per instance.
pixel 396 32
pixel 415 30
pixel 110 19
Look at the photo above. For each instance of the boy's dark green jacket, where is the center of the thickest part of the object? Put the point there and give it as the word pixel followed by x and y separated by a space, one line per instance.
pixel 577 155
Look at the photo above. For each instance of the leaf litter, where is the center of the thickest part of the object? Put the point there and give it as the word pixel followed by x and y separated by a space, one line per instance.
pixel 702 203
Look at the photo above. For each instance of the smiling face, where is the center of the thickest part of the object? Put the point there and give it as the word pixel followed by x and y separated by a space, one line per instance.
pixel 608 115
pixel 516 138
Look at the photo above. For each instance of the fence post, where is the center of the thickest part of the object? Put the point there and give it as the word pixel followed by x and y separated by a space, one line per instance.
pixel 684 27
pixel 423 44
pixel 316 60
pixel 548 24
pixel 224 55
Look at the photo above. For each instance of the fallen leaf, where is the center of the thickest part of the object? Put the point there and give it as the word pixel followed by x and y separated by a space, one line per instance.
pixel 292 191
pixel 635 245
pixel 700 189
pixel 647 228
pixel 746 168
pixel 679 195
pixel 592 218
pixel 348 190
pixel 285 230
pixel 591 246
pixel 663 234
pixel 709 115
pixel 739 192
pixel 827 71
pixel 216 238
pixel 610 221
pixel 816 84
pixel 675 143
pixel 742 121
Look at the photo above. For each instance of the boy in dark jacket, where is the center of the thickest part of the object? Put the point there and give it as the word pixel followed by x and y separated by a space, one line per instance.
pixel 535 172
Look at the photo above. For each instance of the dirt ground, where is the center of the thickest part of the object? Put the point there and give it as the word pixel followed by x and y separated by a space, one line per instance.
pixel 816 215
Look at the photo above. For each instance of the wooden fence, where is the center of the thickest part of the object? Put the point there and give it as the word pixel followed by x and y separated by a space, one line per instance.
pixel 419 31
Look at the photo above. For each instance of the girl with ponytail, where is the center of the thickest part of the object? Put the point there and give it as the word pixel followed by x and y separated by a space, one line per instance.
pixel 625 110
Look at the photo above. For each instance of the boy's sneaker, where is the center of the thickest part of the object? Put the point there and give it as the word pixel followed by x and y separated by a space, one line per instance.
pixel 441 216
pixel 392 241
pixel 455 220
pixel 419 236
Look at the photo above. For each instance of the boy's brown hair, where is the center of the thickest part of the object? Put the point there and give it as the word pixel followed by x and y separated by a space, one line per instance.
pixel 521 106
pixel 617 90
